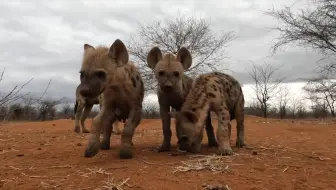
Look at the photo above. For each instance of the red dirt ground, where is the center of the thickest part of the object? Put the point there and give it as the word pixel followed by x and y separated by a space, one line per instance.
pixel 49 155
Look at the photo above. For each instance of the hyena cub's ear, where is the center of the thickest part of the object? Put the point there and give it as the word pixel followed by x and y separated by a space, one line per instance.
pixel 118 52
pixel 190 116
pixel 87 48
pixel 184 56
pixel 153 57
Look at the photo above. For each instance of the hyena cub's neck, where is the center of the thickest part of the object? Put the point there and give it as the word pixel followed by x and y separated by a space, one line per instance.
pixel 197 102
pixel 186 84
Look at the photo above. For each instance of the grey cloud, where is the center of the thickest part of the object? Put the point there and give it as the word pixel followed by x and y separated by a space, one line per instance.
pixel 44 39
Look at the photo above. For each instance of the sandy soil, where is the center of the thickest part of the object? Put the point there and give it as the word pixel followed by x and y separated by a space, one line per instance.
pixel 284 155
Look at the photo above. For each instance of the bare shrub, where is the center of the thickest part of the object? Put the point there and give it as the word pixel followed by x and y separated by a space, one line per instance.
pixel 266 85
pixel 150 111
pixel 207 47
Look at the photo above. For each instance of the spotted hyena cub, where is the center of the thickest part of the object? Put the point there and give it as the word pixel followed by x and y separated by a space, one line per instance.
pixel 82 109
pixel 108 71
pixel 215 92
pixel 173 87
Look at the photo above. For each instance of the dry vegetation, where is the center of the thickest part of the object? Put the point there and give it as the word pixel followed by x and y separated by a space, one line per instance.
pixel 294 151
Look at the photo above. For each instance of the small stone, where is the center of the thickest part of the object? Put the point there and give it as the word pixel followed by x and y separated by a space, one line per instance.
pixel 39 148
pixel 53 124
pixel 254 153
pixel 79 144
pixel 20 155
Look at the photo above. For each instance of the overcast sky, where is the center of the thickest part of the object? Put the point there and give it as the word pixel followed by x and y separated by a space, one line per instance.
pixel 44 39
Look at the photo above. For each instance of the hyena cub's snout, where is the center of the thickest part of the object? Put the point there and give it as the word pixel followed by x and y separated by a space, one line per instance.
pixel 92 84
pixel 167 87
pixel 183 143
pixel 85 91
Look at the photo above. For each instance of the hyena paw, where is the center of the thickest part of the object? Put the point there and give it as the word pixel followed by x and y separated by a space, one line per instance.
pixel 125 153
pixel 77 129
pixel 91 150
pixel 225 152
pixel 85 130
pixel 162 148
pixel 212 143
pixel 105 145
pixel 240 143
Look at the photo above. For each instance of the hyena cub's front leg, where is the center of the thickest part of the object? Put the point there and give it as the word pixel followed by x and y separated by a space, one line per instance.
pixel 167 133
pixel 102 120
pixel 132 123
pixel 210 132
pixel 224 132
pixel 78 113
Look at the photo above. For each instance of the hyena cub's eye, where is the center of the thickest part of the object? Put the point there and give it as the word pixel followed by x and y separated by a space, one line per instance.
pixel 161 73
pixel 176 73
pixel 81 74
pixel 100 74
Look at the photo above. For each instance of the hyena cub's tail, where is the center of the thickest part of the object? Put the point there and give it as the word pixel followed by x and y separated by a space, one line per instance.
pixel 76 106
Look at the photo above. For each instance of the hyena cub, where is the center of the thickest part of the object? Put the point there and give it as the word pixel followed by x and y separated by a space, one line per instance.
pixel 173 87
pixel 215 92
pixel 109 72
pixel 82 109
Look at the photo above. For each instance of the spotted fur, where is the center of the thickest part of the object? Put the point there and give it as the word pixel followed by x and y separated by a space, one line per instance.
pixel 217 92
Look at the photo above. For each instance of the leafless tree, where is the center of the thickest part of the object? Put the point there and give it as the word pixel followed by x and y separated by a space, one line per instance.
pixel 266 84
pixel 283 99
pixel 150 111
pixel 301 111
pixel 46 108
pixel 322 89
pixel 308 28
pixel 207 47
pixel 13 94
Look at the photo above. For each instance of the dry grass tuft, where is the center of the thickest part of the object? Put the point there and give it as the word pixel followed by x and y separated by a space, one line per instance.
pixel 215 187
pixel 213 163
pixel 45 185
pixel 94 171
pixel 110 184
pixel 6 151
pixel 6 181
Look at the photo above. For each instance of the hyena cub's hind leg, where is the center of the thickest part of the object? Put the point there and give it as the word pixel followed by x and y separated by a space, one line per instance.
pixel 239 113
pixel 78 112
pixel 85 114
pixel 224 132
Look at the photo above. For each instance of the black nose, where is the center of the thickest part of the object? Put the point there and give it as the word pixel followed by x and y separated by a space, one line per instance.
pixel 85 92
pixel 183 143
pixel 168 88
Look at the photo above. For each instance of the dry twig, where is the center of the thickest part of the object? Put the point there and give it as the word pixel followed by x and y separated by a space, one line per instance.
pixel 94 171
pixel 48 186
pixel 211 162
pixel 6 181
pixel 66 166
pixel 5 151
pixel 111 185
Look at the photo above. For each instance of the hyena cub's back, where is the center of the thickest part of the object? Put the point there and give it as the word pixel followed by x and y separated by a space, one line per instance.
pixel 217 92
